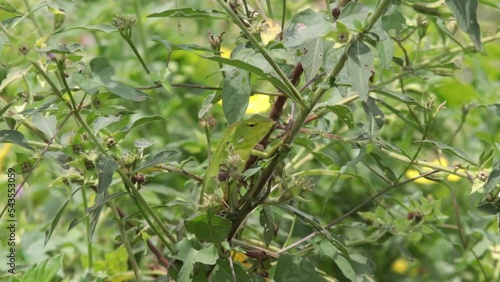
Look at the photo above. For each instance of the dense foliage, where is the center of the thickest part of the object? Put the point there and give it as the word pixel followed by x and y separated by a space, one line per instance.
pixel 383 162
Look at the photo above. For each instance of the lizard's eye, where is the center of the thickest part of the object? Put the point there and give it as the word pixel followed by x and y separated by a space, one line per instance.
pixel 251 124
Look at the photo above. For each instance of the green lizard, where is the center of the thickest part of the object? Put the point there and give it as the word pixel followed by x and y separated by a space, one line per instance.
pixel 231 154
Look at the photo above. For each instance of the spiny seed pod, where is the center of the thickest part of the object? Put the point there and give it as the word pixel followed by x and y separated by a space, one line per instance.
pixel 138 178
pixel 222 176
pixel 77 148
pixel 110 142
pixel 336 13
pixel 26 167
pixel 483 175
pixel 96 102
pixel 23 49
pixel 89 165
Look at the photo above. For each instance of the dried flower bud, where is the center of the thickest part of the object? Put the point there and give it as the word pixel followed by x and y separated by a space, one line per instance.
pixel 336 13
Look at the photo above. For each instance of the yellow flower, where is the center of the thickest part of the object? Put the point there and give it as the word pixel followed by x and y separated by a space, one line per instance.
pixel 258 103
pixel 241 258
pixel 270 30
pixel 411 173
pixel 400 266
pixel 3 153
pixel 225 52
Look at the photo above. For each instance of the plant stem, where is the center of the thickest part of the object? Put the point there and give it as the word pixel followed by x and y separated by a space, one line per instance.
pixel 137 54
pixel 293 92
pixel 269 9
pixel 352 211
pixel 87 226
pixel 33 18
pixel 126 241
pixel 437 167
pixel 249 201
pixel 126 180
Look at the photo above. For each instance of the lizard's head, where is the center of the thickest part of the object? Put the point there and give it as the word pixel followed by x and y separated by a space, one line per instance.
pixel 250 131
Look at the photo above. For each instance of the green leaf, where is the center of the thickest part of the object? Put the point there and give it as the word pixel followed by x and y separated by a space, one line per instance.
pixel 6 107
pixel 61 49
pixel 104 200
pixel 393 21
pixel 314 223
pixel 212 228
pixel 6 6
pixel 44 271
pixel 12 76
pixel 361 155
pixel 162 77
pixel 493 179
pixel 103 72
pixel 343 264
pixel 143 143
pixel 359 67
pixel 236 94
pixel 354 16
pixel 207 104
pixel 442 28
pixel 107 167
pixel 53 223
pixel 268 221
pixel 223 272
pixel 489 207
pixel 455 151
pixel 102 122
pixel 14 136
pixel 47 125
pixel 189 255
pixel 495 109
pixel 465 13
pixel 395 95
pixel 106 28
pixel 344 113
pixel 144 120
pixel 374 115
pixel 306 25
pixel 190 13
pixel 160 158
pixel 312 60
pixel 295 268
pixel 252 69
pixel 186 47
pixel 385 51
